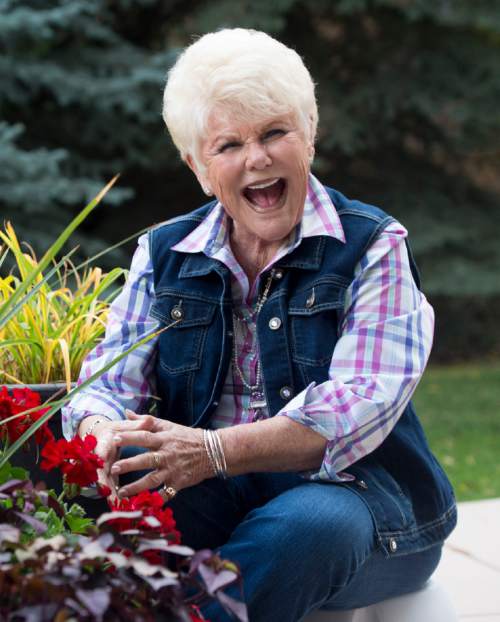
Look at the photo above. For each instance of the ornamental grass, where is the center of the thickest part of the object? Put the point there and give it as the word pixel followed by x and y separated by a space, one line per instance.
pixel 63 318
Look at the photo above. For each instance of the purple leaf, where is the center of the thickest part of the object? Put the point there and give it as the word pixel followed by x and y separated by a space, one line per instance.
pixel 37 525
pixel 13 484
pixel 9 533
pixel 216 580
pixel 55 505
pixel 160 544
pixel 97 601
pixel 35 613
pixel 236 607
pixel 75 606
pixel 107 516
pixel 152 521
pixel 160 582
pixel 198 558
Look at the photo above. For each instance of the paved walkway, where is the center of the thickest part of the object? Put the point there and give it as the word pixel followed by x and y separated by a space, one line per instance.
pixel 470 567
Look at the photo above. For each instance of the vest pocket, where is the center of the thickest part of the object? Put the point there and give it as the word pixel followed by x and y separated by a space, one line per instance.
pixel 313 317
pixel 181 346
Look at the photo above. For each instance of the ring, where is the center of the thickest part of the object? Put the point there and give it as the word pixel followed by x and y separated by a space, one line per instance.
pixel 156 460
pixel 169 491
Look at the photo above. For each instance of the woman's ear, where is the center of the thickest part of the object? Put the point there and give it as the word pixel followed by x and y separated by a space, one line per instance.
pixel 201 178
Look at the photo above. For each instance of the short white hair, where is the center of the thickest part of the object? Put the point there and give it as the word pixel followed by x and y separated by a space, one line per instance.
pixel 244 72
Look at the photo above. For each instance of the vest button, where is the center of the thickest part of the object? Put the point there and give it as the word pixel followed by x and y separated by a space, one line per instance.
pixel 274 323
pixel 286 393
pixel 177 313
pixel 310 300
pixel 278 274
pixel 362 484
pixel 393 545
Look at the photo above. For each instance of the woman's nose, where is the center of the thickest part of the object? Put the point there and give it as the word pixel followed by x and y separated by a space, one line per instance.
pixel 257 156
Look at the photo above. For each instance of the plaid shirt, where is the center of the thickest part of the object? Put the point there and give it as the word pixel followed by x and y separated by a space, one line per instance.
pixel 385 337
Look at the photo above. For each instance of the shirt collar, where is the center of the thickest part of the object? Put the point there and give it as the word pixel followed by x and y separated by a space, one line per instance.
pixel 319 218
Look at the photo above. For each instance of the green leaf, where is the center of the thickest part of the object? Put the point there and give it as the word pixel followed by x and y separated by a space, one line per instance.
pixel 78 524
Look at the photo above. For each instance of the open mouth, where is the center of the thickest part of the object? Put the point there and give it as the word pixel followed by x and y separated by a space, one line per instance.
pixel 266 194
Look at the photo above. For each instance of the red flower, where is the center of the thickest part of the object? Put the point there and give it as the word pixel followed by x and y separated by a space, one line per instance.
pixel 195 615
pixel 151 505
pixel 21 400
pixel 103 490
pixel 75 458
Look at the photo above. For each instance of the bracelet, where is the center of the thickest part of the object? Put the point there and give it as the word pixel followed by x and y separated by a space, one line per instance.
pixel 215 452
pixel 92 426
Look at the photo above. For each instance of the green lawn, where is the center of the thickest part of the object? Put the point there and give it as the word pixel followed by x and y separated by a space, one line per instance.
pixel 459 407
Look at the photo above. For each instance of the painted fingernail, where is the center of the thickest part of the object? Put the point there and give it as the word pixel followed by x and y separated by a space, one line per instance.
pixel 117 438
pixel 115 468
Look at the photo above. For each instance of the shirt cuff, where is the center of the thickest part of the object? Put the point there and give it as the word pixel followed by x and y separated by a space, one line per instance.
pixel 86 404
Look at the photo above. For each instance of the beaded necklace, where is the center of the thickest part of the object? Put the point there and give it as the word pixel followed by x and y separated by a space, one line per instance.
pixel 257 398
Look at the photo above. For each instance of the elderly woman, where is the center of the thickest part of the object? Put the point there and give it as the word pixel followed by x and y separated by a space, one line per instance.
pixel 284 435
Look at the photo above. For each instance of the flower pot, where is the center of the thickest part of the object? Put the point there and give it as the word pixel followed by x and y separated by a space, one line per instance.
pixel 28 456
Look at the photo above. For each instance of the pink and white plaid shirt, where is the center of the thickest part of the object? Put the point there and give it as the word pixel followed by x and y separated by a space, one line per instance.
pixel 385 337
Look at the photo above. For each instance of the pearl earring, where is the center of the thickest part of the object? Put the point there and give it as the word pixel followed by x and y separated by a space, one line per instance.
pixel 207 191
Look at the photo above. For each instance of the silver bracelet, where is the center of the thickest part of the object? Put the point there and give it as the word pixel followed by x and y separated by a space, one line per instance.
pixel 215 452
pixel 209 451
pixel 92 426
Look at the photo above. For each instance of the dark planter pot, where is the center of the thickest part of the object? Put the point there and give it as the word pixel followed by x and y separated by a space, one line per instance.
pixel 28 457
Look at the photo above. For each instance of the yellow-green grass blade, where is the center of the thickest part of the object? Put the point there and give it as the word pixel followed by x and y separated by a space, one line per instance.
pixel 53 250
pixel 7 313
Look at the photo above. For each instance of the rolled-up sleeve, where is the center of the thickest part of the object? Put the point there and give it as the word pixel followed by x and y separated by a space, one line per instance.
pixel 385 338
pixel 129 383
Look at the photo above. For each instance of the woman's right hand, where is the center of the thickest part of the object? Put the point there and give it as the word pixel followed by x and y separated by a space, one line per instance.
pixel 104 430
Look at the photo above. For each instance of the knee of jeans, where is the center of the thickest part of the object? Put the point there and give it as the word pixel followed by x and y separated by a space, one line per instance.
pixel 315 528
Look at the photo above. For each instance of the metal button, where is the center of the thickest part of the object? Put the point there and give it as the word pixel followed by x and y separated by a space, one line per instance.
pixel 286 393
pixel 278 274
pixel 274 323
pixel 362 484
pixel 177 313
pixel 393 545
pixel 311 299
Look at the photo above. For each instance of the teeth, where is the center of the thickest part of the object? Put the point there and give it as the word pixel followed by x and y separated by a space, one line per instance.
pixel 264 185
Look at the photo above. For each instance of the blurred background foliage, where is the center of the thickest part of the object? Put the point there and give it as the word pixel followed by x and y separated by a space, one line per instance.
pixel 409 119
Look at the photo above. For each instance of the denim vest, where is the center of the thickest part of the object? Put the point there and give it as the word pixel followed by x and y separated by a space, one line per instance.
pixel 404 487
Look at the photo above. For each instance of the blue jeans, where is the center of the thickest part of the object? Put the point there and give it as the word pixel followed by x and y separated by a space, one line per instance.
pixel 300 545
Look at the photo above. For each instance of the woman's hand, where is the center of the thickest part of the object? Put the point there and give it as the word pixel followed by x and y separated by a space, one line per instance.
pixel 177 455
pixel 105 430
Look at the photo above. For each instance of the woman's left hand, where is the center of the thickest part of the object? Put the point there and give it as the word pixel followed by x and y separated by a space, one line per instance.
pixel 177 455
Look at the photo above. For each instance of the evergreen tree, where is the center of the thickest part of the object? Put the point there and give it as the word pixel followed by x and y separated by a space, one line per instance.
pixel 408 93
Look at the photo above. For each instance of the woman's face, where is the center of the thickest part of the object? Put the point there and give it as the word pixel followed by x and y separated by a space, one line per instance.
pixel 259 172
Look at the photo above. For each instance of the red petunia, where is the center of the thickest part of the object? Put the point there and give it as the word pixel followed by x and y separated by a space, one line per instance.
pixel 150 504
pixel 21 400
pixel 75 458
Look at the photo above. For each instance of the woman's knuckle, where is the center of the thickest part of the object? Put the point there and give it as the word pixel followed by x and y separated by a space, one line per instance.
pixel 156 478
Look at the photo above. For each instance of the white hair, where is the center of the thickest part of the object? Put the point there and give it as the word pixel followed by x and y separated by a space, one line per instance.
pixel 244 72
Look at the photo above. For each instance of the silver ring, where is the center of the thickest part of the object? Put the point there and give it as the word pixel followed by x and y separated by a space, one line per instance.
pixel 156 460
pixel 169 491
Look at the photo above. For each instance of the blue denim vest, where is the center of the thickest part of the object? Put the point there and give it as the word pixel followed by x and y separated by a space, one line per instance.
pixel 407 492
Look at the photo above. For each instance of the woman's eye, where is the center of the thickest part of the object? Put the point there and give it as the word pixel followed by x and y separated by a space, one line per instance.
pixel 227 146
pixel 273 133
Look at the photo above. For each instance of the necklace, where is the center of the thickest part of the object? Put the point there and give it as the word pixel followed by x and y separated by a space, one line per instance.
pixel 257 398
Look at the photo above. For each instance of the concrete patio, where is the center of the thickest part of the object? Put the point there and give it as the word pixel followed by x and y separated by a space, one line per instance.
pixel 470 567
